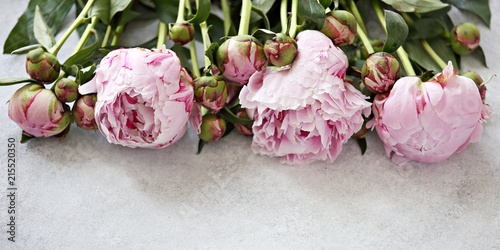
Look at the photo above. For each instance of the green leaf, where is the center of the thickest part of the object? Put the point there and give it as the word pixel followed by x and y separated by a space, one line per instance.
pixel 25 137
pixel 83 55
pixel 479 55
pixel 325 3
pixel 13 81
pixel 85 74
pixel 232 118
pixel 106 9
pixel 202 11
pixel 210 52
pixel 167 10
pixel 442 47
pixel 54 12
pixel 417 53
pixel 397 31
pixel 263 5
pixel 313 11
pixel 479 7
pixel 201 143
pixel 41 30
pixel 419 6
pixel 420 29
pixel 183 54
pixel 27 49
pixel 263 16
pixel 362 144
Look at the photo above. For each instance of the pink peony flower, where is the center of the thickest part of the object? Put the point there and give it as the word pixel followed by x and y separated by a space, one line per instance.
pixel 144 97
pixel 428 121
pixel 307 112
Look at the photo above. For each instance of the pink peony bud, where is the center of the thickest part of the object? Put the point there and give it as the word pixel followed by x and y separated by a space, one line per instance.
pixel 38 111
pixel 213 128
pixel 243 129
pixel 66 90
pixel 340 26
pixel 239 57
pixel 83 112
pixel 307 112
pixel 280 50
pixel 144 97
pixel 428 121
pixel 465 38
pixel 380 72
pixel 181 33
pixel 42 66
pixel 211 92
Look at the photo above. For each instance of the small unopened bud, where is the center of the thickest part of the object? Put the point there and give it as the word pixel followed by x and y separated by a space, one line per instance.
pixel 38 111
pixel 212 128
pixel 66 90
pixel 239 57
pixel 479 83
pixel 211 92
pixel 83 112
pixel 340 26
pixel 42 66
pixel 380 72
pixel 465 38
pixel 280 50
pixel 181 33
pixel 243 129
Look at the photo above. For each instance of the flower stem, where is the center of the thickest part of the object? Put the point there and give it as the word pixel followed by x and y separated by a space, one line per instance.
pixel 403 56
pixel 106 36
pixel 85 35
pixel 194 59
pixel 246 10
pixel 180 11
pixel 116 36
pixel 162 35
pixel 78 21
pixel 206 41
pixel 365 40
pixel 355 12
pixel 433 54
pixel 284 16
pixel 293 22
pixel 226 12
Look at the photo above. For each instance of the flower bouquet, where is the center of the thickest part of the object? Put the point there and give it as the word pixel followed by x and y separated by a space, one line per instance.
pixel 300 78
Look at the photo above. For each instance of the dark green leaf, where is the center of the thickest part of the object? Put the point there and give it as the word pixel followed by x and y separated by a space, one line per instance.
pixel 106 9
pixel 442 47
pixel 184 56
pixel 210 52
pixel 362 145
pixel 419 6
pixel 420 29
pixel 313 11
pixel 13 81
pixel 202 11
pixel 128 15
pixel 325 3
pixel 264 17
pixel 43 33
pixel 427 75
pixel 479 7
pixel 85 74
pixel 262 5
pixel 232 118
pixel 26 49
pixel 54 13
pixel 397 31
pixel 417 53
pixel 83 55
pixel 479 55
pixel 201 143
pixel 25 138
pixel 167 10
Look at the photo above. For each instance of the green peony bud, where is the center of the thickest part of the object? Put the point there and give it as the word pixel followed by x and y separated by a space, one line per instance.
pixel 42 66
pixel 465 38
pixel 181 33
pixel 340 26
pixel 211 92
pixel 380 72
pixel 479 83
pixel 280 50
pixel 66 90
pixel 83 112
pixel 212 128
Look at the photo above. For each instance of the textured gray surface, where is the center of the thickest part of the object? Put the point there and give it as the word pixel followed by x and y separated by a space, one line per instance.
pixel 82 192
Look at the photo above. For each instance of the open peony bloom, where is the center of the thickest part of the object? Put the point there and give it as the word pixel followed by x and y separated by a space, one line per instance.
pixel 307 112
pixel 429 121
pixel 144 97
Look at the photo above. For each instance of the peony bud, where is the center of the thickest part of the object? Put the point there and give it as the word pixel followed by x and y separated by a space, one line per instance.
pixel 479 83
pixel 181 33
pixel 38 111
pixel 239 57
pixel 83 112
pixel 380 72
pixel 243 129
pixel 465 38
pixel 211 92
pixel 212 127
pixel 340 26
pixel 280 50
pixel 42 66
pixel 66 90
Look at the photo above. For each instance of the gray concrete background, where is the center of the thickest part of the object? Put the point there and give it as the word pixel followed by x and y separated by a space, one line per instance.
pixel 83 193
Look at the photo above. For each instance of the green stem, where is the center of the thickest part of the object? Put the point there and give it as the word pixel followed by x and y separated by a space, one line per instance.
pixel 433 54
pixel 354 10
pixel 116 36
pixel 206 41
pixel 293 22
pixel 403 56
pixel 226 12
pixel 284 16
pixel 78 21
pixel 194 59
pixel 85 35
pixel 106 36
pixel 180 11
pixel 162 35
pixel 246 10
pixel 365 40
